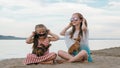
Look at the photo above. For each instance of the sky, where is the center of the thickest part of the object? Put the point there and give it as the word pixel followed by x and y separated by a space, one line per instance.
pixel 19 17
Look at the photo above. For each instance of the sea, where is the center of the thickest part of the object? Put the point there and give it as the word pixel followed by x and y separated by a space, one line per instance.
pixel 19 48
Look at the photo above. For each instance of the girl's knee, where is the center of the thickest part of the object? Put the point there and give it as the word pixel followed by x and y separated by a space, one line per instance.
pixel 84 51
pixel 60 52
pixel 54 54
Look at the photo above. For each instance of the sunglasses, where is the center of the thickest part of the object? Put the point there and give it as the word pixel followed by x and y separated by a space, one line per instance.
pixel 74 19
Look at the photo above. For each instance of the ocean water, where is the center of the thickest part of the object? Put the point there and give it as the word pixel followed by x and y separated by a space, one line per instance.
pixel 19 49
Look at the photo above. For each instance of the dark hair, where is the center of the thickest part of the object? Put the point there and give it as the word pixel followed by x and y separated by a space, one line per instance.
pixel 36 37
pixel 73 27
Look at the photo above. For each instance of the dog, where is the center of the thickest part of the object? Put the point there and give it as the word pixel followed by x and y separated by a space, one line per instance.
pixel 39 51
pixel 75 46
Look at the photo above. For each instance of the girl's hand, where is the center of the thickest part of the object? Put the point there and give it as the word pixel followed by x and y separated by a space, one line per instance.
pixel 70 24
pixel 65 29
pixel 33 33
pixel 83 20
pixel 29 40
pixel 53 37
pixel 49 32
pixel 84 27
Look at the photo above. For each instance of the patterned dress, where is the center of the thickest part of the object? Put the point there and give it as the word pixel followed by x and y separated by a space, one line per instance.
pixel 32 58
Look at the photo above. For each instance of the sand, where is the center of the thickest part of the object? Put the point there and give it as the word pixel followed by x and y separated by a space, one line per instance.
pixel 106 58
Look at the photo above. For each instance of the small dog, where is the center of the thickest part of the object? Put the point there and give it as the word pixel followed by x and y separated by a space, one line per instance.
pixel 39 51
pixel 75 46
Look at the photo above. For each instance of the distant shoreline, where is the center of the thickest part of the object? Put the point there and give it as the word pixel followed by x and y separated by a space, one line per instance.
pixel 12 39
pixel 2 37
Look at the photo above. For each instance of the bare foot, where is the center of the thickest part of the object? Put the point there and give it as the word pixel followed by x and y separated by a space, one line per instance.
pixel 47 62
pixel 61 61
pixel 84 60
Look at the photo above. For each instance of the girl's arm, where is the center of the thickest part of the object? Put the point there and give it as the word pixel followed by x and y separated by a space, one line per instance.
pixel 84 29
pixel 54 36
pixel 65 29
pixel 84 25
pixel 29 40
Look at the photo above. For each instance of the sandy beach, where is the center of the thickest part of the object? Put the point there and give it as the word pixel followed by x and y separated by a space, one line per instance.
pixel 106 58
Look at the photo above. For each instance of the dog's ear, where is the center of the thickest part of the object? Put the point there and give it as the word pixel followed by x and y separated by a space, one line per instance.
pixel 79 39
pixel 42 45
pixel 34 51
pixel 48 46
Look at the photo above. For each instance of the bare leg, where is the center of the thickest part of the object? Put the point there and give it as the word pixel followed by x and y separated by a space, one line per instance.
pixel 64 55
pixel 81 55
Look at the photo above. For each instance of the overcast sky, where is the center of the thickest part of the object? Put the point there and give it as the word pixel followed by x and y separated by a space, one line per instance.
pixel 19 17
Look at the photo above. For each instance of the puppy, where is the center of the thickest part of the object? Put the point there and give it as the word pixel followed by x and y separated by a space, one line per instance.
pixel 39 51
pixel 75 46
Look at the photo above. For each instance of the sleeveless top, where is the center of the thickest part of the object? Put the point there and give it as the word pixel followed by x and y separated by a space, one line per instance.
pixel 83 43
pixel 46 42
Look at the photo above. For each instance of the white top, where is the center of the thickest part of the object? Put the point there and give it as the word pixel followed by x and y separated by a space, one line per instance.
pixel 69 41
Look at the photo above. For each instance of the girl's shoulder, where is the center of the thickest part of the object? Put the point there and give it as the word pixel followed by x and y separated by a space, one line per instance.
pixel 67 32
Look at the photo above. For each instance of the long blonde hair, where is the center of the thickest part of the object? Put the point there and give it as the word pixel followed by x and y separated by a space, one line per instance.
pixel 80 30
